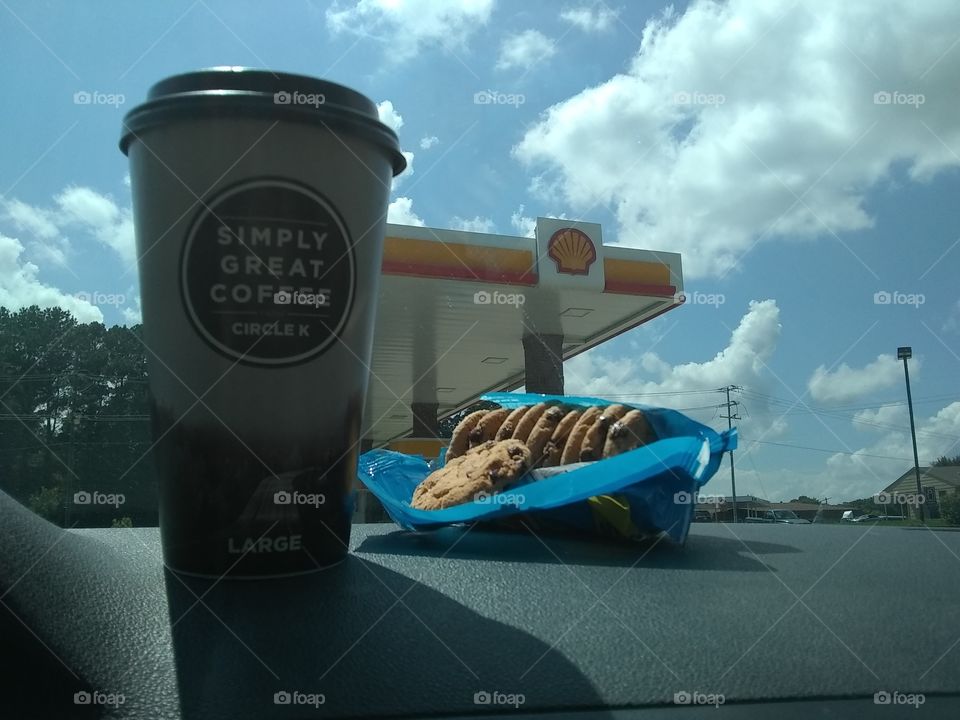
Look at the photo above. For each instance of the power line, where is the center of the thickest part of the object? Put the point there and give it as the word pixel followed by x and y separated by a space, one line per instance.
pixel 839 414
pixel 884 403
pixel 825 450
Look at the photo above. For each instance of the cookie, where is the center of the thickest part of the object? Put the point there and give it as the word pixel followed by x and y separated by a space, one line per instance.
pixel 529 419
pixel 510 424
pixel 553 448
pixel 615 412
pixel 596 437
pixel 571 450
pixel 486 468
pixel 629 432
pixel 460 440
pixel 542 432
pixel 488 426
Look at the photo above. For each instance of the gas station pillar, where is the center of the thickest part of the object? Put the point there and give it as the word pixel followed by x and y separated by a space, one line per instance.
pixel 543 363
pixel 425 423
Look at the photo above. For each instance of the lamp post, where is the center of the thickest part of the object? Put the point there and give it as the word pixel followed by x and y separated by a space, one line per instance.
pixel 905 353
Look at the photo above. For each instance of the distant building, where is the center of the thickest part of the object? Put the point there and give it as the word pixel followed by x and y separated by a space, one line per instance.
pixel 936 483
pixel 721 507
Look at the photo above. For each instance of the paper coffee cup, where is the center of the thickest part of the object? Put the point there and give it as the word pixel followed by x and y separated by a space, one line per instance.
pixel 260 204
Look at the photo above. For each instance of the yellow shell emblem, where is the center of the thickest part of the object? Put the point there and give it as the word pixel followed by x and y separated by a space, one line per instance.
pixel 572 250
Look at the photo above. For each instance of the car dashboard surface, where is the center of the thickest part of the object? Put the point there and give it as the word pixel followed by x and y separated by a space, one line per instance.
pixel 743 621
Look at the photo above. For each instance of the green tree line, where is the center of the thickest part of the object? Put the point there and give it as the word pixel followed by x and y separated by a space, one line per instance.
pixel 74 418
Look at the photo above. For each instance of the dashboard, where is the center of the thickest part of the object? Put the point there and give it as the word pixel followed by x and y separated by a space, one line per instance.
pixel 743 621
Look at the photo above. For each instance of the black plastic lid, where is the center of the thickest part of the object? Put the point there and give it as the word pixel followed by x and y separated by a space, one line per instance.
pixel 229 91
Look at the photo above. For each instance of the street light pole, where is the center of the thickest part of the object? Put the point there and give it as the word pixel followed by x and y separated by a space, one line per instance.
pixel 905 353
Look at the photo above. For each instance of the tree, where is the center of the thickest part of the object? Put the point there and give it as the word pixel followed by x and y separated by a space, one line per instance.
pixel 74 415
pixel 950 508
pixel 35 353
pixel 944 461
pixel 806 499
pixel 47 503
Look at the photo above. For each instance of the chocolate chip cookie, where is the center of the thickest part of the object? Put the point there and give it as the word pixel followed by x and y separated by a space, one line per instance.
pixel 529 419
pixel 554 447
pixel 571 451
pixel 510 424
pixel 629 432
pixel 543 431
pixel 488 426
pixel 460 440
pixel 487 468
pixel 595 438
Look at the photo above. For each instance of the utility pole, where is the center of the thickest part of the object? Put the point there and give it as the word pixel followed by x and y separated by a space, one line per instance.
pixel 731 416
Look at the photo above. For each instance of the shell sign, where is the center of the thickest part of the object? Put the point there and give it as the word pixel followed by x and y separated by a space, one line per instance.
pixel 572 250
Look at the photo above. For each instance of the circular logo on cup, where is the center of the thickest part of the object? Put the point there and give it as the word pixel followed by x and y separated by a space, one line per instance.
pixel 267 272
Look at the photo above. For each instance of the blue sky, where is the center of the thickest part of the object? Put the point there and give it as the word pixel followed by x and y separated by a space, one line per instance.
pixel 749 139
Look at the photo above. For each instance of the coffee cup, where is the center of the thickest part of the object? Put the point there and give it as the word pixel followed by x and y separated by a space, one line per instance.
pixel 259 203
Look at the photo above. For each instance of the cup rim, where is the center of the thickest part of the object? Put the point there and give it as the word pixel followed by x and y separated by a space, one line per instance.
pixel 251 92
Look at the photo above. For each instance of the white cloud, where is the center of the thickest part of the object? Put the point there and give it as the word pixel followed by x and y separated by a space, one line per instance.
pixel 598 18
pixel 108 223
pixel 126 180
pixel 868 418
pixel 477 224
pixel 525 225
pixel 406 27
pixel 846 383
pixel 865 475
pixel 706 178
pixel 35 221
pixel 400 211
pixel 19 286
pixel 742 362
pixel 400 179
pixel 83 205
pixel 522 224
pixel 389 116
pixel 39 226
pixel 782 483
pixel 524 50
pixel 428 142
pixel 45 229
pixel 133 315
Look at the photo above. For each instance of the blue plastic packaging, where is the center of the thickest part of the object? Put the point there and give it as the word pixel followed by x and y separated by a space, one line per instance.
pixel 635 495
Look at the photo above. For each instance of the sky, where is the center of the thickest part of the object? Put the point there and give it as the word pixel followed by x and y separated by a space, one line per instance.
pixel 801 156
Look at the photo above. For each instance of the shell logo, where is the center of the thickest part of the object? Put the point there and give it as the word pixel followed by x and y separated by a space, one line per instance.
pixel 572 250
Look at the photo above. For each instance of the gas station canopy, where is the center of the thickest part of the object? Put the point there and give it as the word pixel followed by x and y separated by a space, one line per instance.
pixel 456 308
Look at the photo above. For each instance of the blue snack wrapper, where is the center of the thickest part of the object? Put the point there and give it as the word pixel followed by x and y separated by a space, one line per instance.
pixel 635 495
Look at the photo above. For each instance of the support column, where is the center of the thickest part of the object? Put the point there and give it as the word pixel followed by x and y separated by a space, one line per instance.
pixel 425 423
pixel 543 363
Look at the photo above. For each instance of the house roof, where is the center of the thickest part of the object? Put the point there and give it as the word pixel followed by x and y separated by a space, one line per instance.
pixel 946 474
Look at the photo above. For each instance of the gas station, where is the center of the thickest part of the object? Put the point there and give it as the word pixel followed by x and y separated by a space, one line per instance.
pixel 461 314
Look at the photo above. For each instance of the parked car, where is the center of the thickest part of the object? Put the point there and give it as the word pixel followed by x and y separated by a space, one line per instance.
pixel 875 518
pixel 788 517
pixel 702 516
